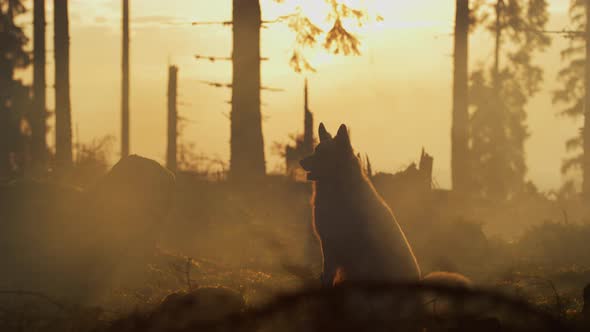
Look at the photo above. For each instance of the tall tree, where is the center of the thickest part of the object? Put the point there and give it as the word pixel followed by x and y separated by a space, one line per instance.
pixel 308 128
pixel 247 157
pixel 247 161
pixel 39 116
pixel 125 83
pixel 12 92
pixel 586 131
pixel 171 151
pixel 575 93
pixel 459 131
pixel 499 97
pixel 63 117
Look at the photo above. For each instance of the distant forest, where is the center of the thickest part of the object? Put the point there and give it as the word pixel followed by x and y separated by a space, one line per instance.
pixel 489 118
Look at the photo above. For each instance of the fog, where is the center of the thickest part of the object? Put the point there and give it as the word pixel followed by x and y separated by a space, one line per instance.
pixel 337 165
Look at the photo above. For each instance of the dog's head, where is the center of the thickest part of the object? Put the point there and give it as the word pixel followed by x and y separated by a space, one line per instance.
pixel 331 156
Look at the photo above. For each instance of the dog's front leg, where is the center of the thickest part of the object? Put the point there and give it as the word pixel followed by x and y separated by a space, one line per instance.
pixel 327 279
pixel 329 269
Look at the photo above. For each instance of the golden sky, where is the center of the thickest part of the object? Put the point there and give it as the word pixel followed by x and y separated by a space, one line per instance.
pixel 396 97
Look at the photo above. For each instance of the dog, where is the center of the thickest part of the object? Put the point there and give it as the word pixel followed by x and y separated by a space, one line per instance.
pixel 359 236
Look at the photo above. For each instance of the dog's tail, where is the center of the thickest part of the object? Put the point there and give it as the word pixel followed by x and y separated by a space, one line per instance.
pixel 448 278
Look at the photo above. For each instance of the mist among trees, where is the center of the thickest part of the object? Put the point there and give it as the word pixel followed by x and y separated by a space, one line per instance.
pixel 94 237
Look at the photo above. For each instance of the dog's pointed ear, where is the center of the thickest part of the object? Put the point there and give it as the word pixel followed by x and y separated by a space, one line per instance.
pixel 343 136
pixel 324 134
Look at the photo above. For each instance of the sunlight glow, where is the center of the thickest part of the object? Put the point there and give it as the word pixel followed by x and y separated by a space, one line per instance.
pixel 404 58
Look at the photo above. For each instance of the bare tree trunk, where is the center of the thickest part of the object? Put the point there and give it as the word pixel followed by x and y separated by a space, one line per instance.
pixel 38 123
pixel 172 118
pixel 308 126
pixel 5 165
pixel 498 28
pixel 586 160
pixel 247 164
pixel 5 116
pixel 125 83
pixel 11 11
pixel 460 135
pixel 426 166
pixel 63 117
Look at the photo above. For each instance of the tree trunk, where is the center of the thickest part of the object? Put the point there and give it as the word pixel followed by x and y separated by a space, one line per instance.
pixel 11 11
pixel 586 160
pixel 460 134
pixel 499 190
pixel 5 116
pixel 498 28
pixel 63 119
pixel 426 166
pixel 38 123
pixel 172 118
pixel 125 83
pixel 308 144
pixel 247 164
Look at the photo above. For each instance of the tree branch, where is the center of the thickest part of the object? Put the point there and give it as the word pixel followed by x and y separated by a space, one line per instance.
pixel 224 23
pixel 229 86
pixel 220 58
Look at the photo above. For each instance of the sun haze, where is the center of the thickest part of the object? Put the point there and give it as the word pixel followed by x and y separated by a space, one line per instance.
pixel 230 164
pixel 398 92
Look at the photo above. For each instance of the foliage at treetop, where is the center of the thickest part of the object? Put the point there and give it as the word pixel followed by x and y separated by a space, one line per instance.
pixel 571 94
pixel 337 40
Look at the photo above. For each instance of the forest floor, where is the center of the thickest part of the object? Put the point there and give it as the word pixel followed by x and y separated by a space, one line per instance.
pixel 261 245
